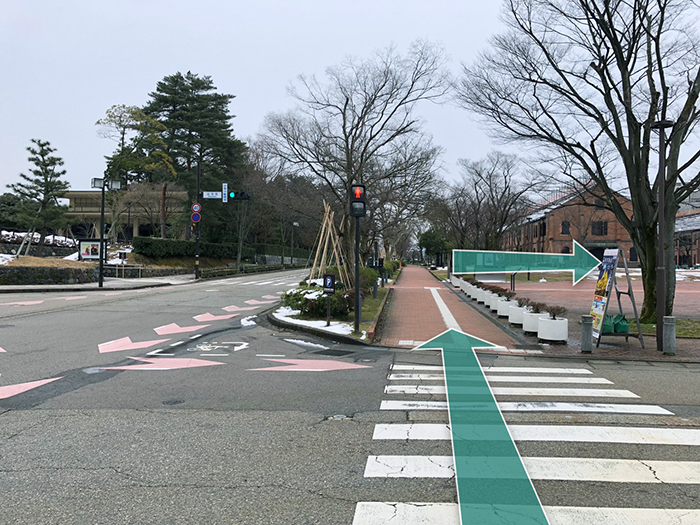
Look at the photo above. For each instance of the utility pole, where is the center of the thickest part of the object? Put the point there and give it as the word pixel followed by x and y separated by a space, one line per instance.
pixel 358 208
pixel 197 226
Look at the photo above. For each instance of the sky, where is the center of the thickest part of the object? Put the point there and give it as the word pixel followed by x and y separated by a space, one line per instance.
pixel 65 63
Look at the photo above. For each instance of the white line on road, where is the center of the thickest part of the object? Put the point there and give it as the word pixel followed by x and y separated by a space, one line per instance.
pixel 511 391
pixel 506 379
pixel 501 369
pixel 379 513
pixel 450 321
pixel 538 406
pixel 410 467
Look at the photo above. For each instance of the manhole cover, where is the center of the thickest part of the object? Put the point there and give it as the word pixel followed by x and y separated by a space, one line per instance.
pixel 333 352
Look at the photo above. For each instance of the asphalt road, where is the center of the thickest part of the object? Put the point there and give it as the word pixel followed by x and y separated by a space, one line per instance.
pixel 117 437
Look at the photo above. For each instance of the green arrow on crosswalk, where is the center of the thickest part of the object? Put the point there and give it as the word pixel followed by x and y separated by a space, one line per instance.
pixel 581 262
pixel 493 487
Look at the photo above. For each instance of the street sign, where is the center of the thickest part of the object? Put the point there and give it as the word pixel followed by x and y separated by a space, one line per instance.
pixel 329 284
pixel 581 262
pixel 196 217
pixel 212 194
pixel 224 191
pixel 196 207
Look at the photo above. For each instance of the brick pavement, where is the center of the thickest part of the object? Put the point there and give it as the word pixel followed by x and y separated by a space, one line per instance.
pixel 413 315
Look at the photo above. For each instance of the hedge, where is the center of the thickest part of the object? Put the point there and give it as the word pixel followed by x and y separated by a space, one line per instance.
pixel 162 248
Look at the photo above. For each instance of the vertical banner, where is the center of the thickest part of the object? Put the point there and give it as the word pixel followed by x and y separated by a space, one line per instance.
pixel 603 289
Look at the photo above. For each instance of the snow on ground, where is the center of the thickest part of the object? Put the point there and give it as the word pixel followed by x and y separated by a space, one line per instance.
pixel 73 256
pixel 285 313
pixel 5 258
pixel 301 342
pixel 248 321
pixel 53 240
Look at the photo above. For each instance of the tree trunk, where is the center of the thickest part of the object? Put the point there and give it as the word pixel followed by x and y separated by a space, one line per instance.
pixel 162 211
pixel 40 247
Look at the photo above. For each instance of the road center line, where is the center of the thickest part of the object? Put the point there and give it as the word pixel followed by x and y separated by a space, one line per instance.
pixel 447 316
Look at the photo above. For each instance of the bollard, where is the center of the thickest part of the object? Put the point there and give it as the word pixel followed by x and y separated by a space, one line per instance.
pixel 669 335
pixel 374 290
pixel 586 334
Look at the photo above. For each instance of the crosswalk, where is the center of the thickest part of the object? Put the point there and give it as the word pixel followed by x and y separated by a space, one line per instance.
pixel 581 452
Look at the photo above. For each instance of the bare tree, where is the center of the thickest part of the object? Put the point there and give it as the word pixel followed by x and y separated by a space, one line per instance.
pixel 359 127
pixel 584 80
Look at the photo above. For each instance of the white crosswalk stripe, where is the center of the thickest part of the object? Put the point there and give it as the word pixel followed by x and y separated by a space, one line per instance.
pixel 640 470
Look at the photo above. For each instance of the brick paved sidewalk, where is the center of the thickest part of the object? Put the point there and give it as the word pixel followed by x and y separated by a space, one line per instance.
pixel 413 316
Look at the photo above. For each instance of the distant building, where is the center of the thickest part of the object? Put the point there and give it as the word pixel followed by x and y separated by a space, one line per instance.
pixel 687 241
pixel 137 210
pixel 575 215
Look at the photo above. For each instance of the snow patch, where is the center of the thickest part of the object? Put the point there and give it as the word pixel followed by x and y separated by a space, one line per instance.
pixel 248 321
pixel 4 259
pixel 301 342
pixel 285 314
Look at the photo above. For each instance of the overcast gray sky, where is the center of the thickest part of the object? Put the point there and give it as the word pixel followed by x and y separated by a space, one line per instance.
pixel 63 64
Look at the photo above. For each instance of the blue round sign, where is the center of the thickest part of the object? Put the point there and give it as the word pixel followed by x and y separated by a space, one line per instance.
pixel 196 217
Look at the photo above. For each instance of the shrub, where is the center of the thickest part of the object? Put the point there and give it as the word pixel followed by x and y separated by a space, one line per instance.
pixel 555 311
pixel 523 301
pixel 536 307
pixel 509 294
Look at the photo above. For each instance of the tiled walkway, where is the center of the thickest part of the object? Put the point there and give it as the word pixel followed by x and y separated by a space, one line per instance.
pixel 413 316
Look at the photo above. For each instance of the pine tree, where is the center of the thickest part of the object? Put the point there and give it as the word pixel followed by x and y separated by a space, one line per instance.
pixel 41 190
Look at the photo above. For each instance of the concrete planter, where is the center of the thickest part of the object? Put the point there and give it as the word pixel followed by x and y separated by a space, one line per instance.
pixel 531 321
pixel 480 295
pixel 493 303
pixel 504 307
pixel 549 329
pixel 515 313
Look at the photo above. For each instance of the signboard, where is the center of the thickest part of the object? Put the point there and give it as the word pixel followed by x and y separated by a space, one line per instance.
pixel 196 207
pixel 212 194
pixel 329 284
pixel 90 249
pixel 603 288
pixel 196 217
pixel 224 191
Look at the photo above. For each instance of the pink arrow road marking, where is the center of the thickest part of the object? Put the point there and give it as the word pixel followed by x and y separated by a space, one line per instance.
pixel 174 328
pixel 13 390
pixel 203 318
pixel 3 350
pixel 160 363
pixel 125 343
pixel 233 308
pixel 270 297
pixel 310 365
pixel 255 301
pixel 22 303
pixel 75 298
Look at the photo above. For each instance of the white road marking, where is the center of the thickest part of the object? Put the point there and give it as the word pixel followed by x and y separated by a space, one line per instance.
pixel 511 391
pixel 379 513
pixel 565 433
pixel 417 367
pixel 413 405
pixel 534 370
pixel 214 355
pixel 450 321
pixel 410 467
pixel 506 379
pixel 197 336
pixel 269 355
pixel 538 406
pixel 177 343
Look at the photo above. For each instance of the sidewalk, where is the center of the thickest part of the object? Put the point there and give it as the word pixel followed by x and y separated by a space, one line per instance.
pixel 412 316
pixel 110 283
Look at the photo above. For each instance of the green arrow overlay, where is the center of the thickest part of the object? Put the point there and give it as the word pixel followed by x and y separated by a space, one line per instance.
pixel 493 487
pixel 581 262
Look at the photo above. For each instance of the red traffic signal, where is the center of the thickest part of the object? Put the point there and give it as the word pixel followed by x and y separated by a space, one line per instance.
pixel 358 203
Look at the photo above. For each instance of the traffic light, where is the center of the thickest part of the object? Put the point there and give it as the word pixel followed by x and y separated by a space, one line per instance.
pixel 358 204
pixel 238 196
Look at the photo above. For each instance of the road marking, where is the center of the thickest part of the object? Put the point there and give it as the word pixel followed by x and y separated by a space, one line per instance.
pixel 508 391
pixel 174 328
pixel 75 297
pixel 533 370
pixel 214 355
pixel 203 318
pixel 379 513
pixel 567 433
pixel 609 408
pixel 506 379
pixel 309 365
pixel 177 344
pixel 417 367
pixel 196 336
pixel 543 468
pixel 410 467
pixel 447 316
pixel 269 355
pixel 125 343
pixel 13 390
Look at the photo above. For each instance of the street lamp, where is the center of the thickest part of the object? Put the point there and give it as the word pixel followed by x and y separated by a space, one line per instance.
pixel 294 225
pixel 113 185
pixel 661 125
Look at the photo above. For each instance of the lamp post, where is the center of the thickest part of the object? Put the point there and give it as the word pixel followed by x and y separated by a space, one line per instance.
pixel 294 225
pixel 661 125
pixel 102 184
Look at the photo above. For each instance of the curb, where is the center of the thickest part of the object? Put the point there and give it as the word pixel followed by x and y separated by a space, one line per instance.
pixel 373 327
pixel 340 338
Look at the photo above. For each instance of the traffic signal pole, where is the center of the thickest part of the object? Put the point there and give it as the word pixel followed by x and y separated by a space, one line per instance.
pixel 358 301
pixel 197 226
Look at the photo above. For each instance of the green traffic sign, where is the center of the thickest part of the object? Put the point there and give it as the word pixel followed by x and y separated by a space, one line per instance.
pixel 581 262
pixel 493 487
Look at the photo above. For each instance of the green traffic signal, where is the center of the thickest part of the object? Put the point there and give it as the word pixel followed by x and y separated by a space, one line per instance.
pixel 232 194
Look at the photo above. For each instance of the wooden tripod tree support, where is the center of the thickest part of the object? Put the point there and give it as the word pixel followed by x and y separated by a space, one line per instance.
pixel 328 249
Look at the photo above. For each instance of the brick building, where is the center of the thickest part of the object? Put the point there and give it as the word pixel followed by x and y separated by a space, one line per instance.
pixel 688 238
pixel 554 225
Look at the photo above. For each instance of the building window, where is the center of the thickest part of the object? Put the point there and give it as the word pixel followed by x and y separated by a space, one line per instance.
pixel 565 227
pixel 566 249
pixel 599 204
pixel 600 228
pixel 534 231
pixel 543 229
pixel 633 254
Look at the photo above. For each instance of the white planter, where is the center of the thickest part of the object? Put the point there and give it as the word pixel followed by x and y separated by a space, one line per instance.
pixel 480 295
pixel 493 303
pixel 531 321
pixel 464 287
pixel 472 291
pixel 515 314
pixel 504 307
pixel 549 329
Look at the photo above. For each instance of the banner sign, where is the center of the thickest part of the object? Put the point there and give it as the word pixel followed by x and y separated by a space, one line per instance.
pixel 603 288
pixel 89 249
